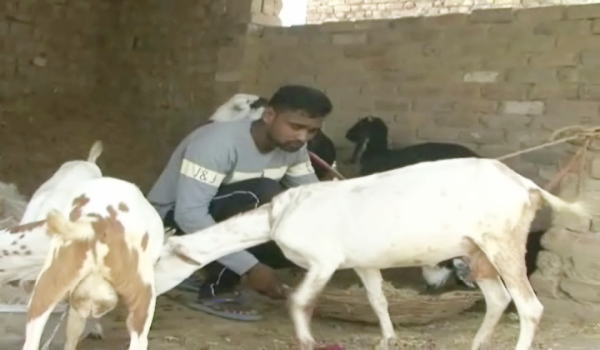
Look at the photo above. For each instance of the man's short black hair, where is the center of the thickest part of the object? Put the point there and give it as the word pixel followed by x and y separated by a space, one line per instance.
pixel 304 98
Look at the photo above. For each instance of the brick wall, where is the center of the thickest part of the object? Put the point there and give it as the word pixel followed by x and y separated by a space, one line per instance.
pixel 320 11
pixel 136 74
pixel 495 80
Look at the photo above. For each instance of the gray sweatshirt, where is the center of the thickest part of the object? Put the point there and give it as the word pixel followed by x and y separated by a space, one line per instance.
pixel 218 154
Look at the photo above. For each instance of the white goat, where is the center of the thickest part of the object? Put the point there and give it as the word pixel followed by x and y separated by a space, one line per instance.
pixel 24 266
pixel 106 248
pixel 238 107
pixel 417 215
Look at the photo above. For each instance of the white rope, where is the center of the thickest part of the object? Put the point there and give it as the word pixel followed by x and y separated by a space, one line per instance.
pixel 49 341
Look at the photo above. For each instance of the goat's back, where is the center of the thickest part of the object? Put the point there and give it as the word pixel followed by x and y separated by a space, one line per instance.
pixel 421 214
pixel 52 193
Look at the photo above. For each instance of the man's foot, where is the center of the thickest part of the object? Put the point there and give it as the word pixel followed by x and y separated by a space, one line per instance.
pixel 230 306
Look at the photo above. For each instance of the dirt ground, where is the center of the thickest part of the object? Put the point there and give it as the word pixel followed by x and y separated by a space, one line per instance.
pixel 178 327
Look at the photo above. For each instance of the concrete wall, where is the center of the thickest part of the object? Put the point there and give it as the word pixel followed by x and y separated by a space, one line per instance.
pixel 495 80
pixel 136 74
pixel 320 11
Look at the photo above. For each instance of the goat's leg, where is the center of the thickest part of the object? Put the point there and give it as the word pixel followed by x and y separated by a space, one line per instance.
pixel 140 298
pixel 97 330
pixel 496 301
pixel 462 271
pixel 46 295
pixel 302 302
pixel 509 261
pixel 372 281
pixel 75 327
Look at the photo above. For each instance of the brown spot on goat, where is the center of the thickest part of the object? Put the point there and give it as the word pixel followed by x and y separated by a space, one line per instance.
pixel 123 207
pixel 78 204
pixel 145 241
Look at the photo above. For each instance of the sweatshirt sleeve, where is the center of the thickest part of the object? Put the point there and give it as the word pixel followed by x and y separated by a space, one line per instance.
pixel 204 166
pixel 301 172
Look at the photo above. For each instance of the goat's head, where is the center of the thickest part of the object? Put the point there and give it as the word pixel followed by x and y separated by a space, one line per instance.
pixel 240 106
pixel 367 130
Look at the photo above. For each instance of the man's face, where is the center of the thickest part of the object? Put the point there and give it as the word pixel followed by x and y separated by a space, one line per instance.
pixel 291 130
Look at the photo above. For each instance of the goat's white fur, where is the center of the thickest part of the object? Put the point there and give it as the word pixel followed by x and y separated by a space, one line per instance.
pixel 238 108
pixel 94 286
pixel 50 194
pixel 413 216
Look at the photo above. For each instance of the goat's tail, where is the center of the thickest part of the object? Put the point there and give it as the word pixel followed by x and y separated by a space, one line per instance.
pixel 580 208
pixel 59 225
pixel 95 151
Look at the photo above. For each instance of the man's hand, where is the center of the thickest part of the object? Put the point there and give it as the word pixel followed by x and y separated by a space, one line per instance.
pixel 262 279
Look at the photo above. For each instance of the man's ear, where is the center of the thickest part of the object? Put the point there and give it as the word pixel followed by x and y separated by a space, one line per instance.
pixel 269 115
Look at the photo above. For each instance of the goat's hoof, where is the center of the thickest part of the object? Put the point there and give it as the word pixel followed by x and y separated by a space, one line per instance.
pixel 95 336
pixel 387 344
pixel 307 343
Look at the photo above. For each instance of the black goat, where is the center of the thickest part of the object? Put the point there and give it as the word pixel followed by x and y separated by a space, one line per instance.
pixel 370 136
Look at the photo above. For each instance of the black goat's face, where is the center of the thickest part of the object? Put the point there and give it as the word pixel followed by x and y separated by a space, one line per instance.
pixel 361 133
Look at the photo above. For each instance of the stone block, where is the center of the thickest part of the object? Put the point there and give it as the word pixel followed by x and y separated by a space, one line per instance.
pixel 554 58
pixel 559 241
pixel 585 258
pixel 565 308
pixel 349 38
pixel 590 58
pixel 540 14
pixel 523 107
pixel 391 105
pixel 506 121
pixel 545 286
pixel 570 43
pixel 549 264
pixel 533 75
pixel 433 105
pixel 595 167
pixel 483 136
pixel 491 16
pixel 563 28
pixel 437 133
pixel 476 106
pixel 455 120
pixel 589 92
pixel 481 77
pixel 532 44
pixel 583 11
pixel 504 91
pixel 493 151
pixel 575 108
pixel 596 26
pixel 554 91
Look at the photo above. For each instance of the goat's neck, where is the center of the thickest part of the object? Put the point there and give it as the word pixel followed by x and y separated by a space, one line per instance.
pixel 232 235
pixel 376 145
pixel 188 253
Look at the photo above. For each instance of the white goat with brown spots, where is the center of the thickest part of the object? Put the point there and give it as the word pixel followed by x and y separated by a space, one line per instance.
pixel 23 265
pixel 417 215
pixel 104 244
